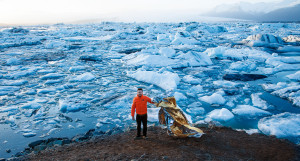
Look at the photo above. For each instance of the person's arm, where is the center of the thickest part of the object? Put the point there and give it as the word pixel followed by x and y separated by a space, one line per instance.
pixel 149 100
pixel 133 109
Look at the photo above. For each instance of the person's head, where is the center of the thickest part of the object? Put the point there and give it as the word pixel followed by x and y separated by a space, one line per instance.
pixel 140 92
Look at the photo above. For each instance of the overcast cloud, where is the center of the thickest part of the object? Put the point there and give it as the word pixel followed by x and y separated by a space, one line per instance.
pixel 55 11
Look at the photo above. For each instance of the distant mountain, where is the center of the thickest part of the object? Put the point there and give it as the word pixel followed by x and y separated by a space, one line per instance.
pixel 258 11
pixel 285 14
pixel 233 12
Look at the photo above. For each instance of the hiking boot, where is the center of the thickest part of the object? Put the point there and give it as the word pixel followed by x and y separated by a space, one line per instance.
pixel 145 137
pixel 137 138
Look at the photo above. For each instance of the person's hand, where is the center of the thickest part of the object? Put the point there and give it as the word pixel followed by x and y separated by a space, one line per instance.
pixel 133 118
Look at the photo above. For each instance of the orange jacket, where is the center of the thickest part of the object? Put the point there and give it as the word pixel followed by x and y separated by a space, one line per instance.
pixel 140 104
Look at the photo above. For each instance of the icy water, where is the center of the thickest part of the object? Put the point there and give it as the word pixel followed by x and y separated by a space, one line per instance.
pixel 62 80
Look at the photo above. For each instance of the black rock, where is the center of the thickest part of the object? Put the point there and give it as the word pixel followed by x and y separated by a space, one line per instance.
pixel 79 138
pixel 8 151
pixel 66 141
pixel 243 77
pixel 130 51
pixel 90 58
pixel 89 133
pixel 2 159
pixel 35 143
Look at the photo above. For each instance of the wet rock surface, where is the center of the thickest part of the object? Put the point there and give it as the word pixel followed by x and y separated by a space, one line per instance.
pixel 218 143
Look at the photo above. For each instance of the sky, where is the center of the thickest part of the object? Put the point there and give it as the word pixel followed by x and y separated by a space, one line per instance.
pixel 71 11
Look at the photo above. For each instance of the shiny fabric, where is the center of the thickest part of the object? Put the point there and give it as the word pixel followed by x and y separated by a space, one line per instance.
pixel 175 120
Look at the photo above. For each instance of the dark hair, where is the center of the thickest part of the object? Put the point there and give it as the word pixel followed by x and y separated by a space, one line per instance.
pixel 140 89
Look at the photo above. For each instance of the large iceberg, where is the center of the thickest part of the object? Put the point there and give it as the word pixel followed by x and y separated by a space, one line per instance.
pixel 282 125
pixel 165 80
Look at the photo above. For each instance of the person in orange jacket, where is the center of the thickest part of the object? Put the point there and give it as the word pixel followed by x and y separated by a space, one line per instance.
pixel 140 106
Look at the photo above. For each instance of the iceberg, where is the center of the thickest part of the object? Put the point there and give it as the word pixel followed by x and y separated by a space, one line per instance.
pixel 258 102
pixel 295 76
pixel 223 115
pixel 249 111
pixel 165 80
pixel 191 80
pixel 281 125
pixel 85 77
pixel 215 98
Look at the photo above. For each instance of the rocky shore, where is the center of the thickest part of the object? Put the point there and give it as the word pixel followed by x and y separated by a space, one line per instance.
pixel 218 143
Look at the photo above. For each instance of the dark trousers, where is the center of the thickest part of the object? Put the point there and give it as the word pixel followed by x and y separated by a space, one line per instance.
pixel 141 119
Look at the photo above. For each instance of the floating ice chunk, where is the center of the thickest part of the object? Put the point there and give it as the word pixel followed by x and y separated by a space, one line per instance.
pixel 225 84
pixel 165 80
pixel 179 39
pixel 195 109
pixel 85 77
pixel 167 52
pixel 191 80
pixel 216 52
pixel 80 125
pixel 13 61
pixel 54 44
pixel 214 99
pixel 31 105
pixel 52 76
pixel 238 54
pixel 46 90
pixel 243 66
pixel 69 106
pixel 282 125
pixel 152 61
pixel 295 76
pixel 44 71
pixel 4 90
pixel 19 74
pixel 195 89
pixel 13 82
pixel 29 134
pixel 279 85
pixel 213 29
pixel 77 68
pixel 71 127
pixel 179 96
pixel 163 38
pixel 53 81
pixel 249 111
pixel 261 40
pixel 289 49
pixel 258 102
pixel 8 109
pixel 153 114
pixel 220 115
pixel 194 59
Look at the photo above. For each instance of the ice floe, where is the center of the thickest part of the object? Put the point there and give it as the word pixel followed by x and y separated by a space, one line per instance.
pixel 282 125
pixel 165 80
pixel 220 115
pixel 249 111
